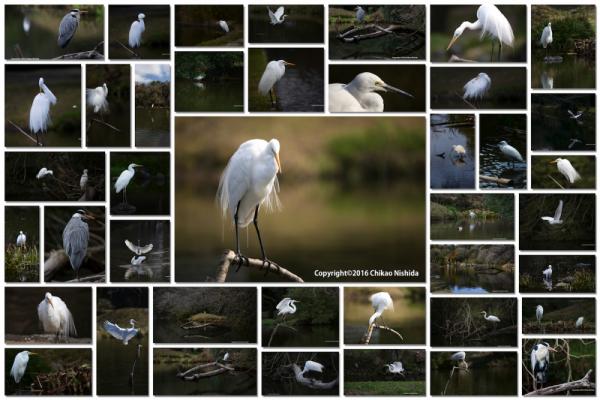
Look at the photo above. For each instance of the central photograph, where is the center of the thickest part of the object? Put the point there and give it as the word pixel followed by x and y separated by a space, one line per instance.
pixel 300 199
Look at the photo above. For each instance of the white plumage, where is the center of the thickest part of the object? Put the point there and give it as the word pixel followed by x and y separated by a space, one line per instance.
pixel 458 356
pixel 224 26
pixel 510 152
pixel 276 17
pixel 312 366
pixel 380 301
pixel 96 98
pixel 43 172
pixel 20 365
pixel 273 73
pixel 39 115
pixel 396 368
pixel 546 38
pixel 539 313
pixel 137 260
pixel 124 179
pixel 490 318
pixel 135 31
pixel 566 168
pixel 137 249
pixel 360 94
pixel 557 214
pixel 491 22
pixel 286 306
pixel 83 180
pixel 122 334
pixel 55 317
pixel 21 239
pixel 477 87
pixel 579 322
pixel 458 151
pixel 572 115
pixel 548 272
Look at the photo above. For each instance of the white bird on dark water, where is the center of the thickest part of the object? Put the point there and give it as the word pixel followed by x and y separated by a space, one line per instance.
pixel 274 71
pixel 137 249
pixel 137 260
pixel 276 17
pixel 510 152
pixel 546 38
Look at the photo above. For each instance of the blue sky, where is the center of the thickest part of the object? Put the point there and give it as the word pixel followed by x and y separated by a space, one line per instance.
pixel 145 73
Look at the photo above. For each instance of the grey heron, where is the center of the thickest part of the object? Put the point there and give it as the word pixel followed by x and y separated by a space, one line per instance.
pixel 122 334
pixel 76 236
pixel 540 363
pixel 68 26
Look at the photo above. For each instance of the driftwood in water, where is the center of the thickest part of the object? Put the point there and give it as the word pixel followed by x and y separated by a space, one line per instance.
pixel 229 259
pixel 203 320
pixel 312 383
pixel 369 333
pixel 494 179
pixel 191 374
pixel 583 383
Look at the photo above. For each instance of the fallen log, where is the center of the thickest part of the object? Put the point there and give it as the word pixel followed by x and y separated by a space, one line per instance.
pixel 583 383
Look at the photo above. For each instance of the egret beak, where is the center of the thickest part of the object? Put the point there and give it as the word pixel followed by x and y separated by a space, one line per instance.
pixel 552 349
pixel 89 216
pixel 289 63
pixel 138 165
pixel 31 353
pixel 552 162
pixel 278 161
pixel 394 89
pixel 454 38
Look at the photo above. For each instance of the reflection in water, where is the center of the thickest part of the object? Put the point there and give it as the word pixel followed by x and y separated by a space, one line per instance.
pixel 295 29
pixel 487 381
pixel 210 96
pixel 166 382
pixel 478 279
pixel 152 127
pixel 572 73
pixel 312 336
pixel 497 229
pixel 115 364
pixel 99 134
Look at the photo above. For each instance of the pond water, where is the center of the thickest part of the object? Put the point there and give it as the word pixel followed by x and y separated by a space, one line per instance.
pixel 295 29
pixel 167 383
pixel 321 227
pixel 386 47
pixel 152 127
pixel 225 96
pixel 40 41
pixel 448 172
pixel 22 85
pixel 197 34
pixel 490 381
pixel 497 229
pixel 305 336
pixel 114 363
pixel 100 135
pixel 169 331
pixel 150 196
pixel 292 388
pixel 493 163
pixel 572 73
pixel 156 267
pixel 470 281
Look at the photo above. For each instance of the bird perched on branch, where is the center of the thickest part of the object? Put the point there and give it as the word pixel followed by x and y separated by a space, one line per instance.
pixel 540 363
pixel 56 318
pixel 312 366
pixel 380 301
pixel 68 26
pixel 96 99
pixel 565 167
pixel 135 31
pixel 460 358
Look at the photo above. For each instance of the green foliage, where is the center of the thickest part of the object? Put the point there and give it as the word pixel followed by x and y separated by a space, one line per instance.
pixel 317 306
pixel 157 93
pixel 379 153
pixel 21 264
pixel 216 65
pixel 568 24
pixel 385 388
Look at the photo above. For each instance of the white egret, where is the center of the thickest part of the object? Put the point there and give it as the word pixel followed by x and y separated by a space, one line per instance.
pixel 43 172
pixel 360 14
pixel 248 182
pixel 273 73
pixel 135 31
pixel 579 323
pixel 460 358
pixel 539 313
pixel 360 94
pixel 380 301
pixel 548 273
pixel 472 214
pixel 124 179
pixel 224 26
pixel 458 151
pixel 572 115
pixel 137 249
pixel 557 214
pixel 76 236
pixel 573 142
pixel 226 357
pixel 510 152
pixel 122 334
pixel 460 228
pixel 546 38
pixel 137 260
pixel 276 17
pixel 96 99
pixel 21 239
pixel 39 114
pixel 566 168
pixel 477 87
pixel 491 318
pixel 83 180
pixel 540 362
pixel 396 368
pixel 492 23
pixel 286 307
pixel 55 317
pixel 20 365
pixel 68 26
pixel 312 366
pixel 26 25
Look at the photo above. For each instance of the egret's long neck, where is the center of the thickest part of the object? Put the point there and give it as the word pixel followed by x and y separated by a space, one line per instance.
pixel 132 324
pixel 473 26
pixel 375 315
pixel 131 169
pixel 293 307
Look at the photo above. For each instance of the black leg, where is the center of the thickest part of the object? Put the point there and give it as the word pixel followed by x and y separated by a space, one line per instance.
pixel 266 262
pixel 492 56
pixel 239 257
pixel 499 50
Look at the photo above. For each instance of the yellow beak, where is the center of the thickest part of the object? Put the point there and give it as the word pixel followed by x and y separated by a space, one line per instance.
pixel 553 162
pixel 289 63
pixel 278 161
pixel 454 38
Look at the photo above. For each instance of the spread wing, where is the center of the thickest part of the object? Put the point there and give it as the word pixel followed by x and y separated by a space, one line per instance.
pixel 139 249
pixel 558 211
pixel 114 330
pixel 279 13
pixel 283 303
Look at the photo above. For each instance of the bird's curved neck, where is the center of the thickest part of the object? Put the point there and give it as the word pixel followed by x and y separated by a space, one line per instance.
pixel 473 26
pixel 375 315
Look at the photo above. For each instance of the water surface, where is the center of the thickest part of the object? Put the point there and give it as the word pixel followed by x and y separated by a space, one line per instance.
pixel 489 381
pixel 476 280
pixel 226 96
pixel 232 384
pixel 496 229
pixel 572 73
pixel 114 364
pixel 152 127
